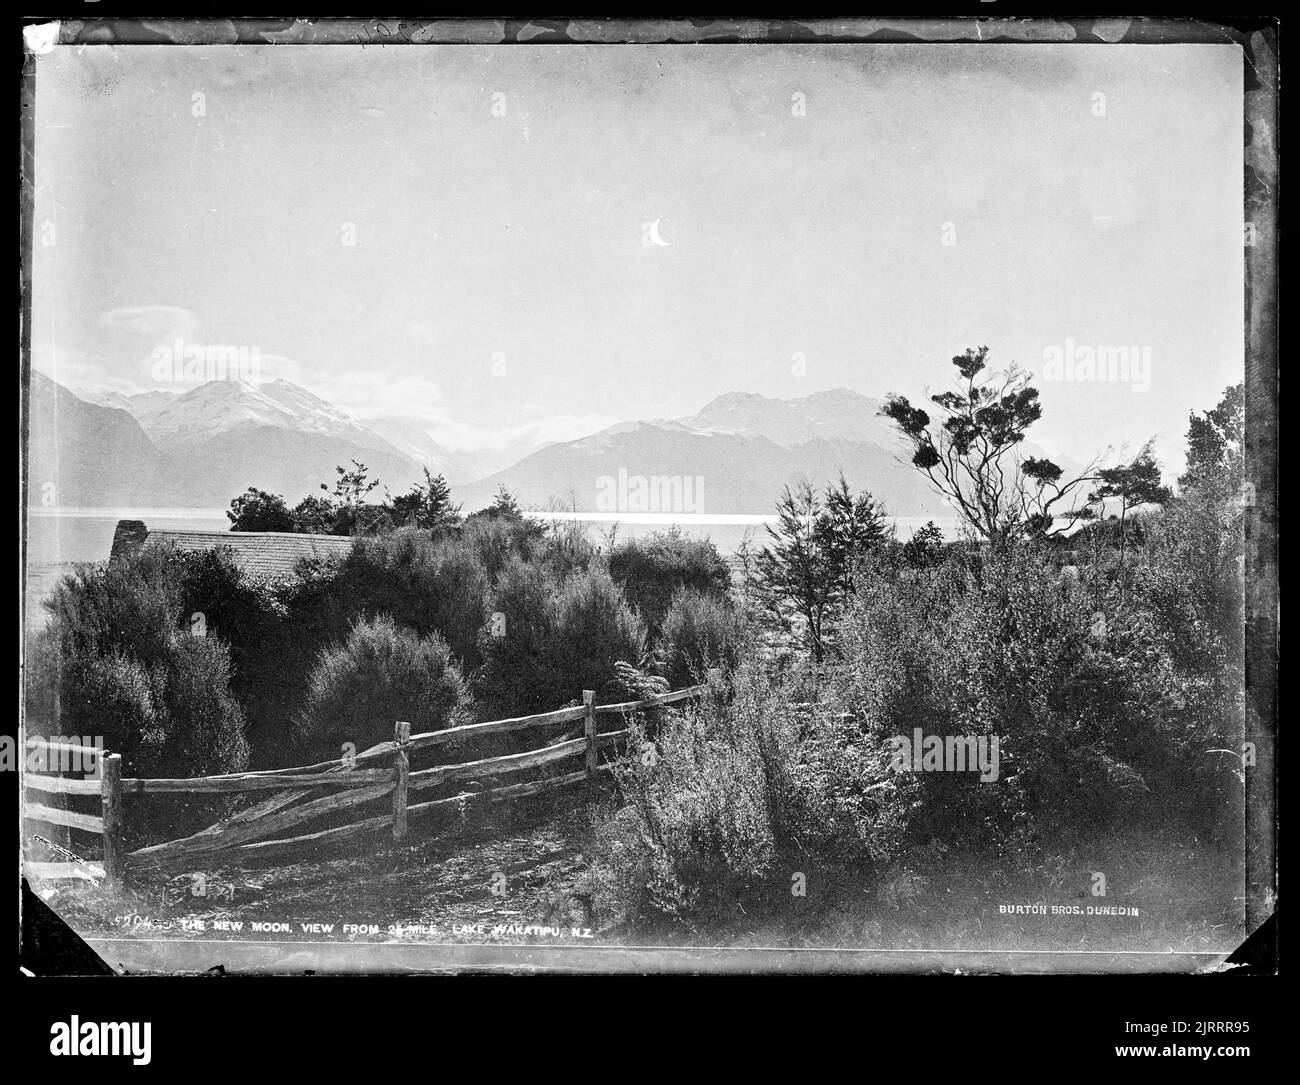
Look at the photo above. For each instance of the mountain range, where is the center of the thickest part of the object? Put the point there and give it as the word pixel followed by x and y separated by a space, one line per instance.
pixel 203 447
pixel 733 456
pixel 200 448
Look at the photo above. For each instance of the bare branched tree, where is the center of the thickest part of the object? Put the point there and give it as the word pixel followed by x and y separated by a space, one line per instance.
pixel 970 455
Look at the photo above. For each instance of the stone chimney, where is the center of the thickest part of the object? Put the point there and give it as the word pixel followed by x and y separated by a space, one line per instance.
pixel 128 537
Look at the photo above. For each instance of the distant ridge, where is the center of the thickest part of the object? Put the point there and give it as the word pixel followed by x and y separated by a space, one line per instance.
pixel 745 447
pixel 209 444
pixel 199 448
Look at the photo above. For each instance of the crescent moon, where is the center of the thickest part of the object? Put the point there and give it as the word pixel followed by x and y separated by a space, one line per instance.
pixel 654 233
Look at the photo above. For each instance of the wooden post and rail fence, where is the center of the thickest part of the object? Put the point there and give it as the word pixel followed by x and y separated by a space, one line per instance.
pixel 307 792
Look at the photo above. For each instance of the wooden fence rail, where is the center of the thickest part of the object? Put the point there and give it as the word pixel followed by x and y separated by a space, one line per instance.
pixel 216 785
pixel 73 820
pixel 62 785
pixel 103 782
pixel 306 792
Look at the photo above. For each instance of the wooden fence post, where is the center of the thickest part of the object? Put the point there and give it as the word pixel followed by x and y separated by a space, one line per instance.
pixel 402 771
pixel 589 702
pixel 110 790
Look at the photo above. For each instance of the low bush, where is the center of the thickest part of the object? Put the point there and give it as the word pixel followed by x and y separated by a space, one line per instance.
pixel 497 539
pixel 117 660
pixel 651 570
pixel 247 615
pixel 700 631
pixel 732 794
pixel 427 585
pixel 516 676
pixel 592 629
pixel 380 674
pixel 1099 724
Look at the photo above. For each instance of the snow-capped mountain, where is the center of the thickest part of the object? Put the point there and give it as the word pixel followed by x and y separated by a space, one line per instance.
pixel 217 408
pixel 208 445
pixel 219 438
pixel 135 404
pixel 220 407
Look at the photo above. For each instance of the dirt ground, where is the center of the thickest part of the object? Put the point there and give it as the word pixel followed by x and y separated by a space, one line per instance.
pixel 512 868
pixel 518 875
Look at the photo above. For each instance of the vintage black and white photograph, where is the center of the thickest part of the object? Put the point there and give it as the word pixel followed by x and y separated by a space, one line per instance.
pixel 696 500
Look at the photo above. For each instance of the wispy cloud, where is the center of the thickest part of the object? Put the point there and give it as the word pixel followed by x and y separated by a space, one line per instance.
pixel 153 324
pixel 380 393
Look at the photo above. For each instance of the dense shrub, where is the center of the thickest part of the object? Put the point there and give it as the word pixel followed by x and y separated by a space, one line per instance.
pixel 1190 576
pixel 593 628
pixel 313 614
pixel 427 585
pixel 652 569
pixel 1099 541
pixel 117 660
pixel 111 695
pixel 695 837
pixel 1098 724
pixel 199 728
pixel 496 539
pixel 925 548
pixel 699 631
pixel 732 792
pixel 428 506
pixel 245 612
pixel 1105 691
pixel 345 509
pixel 131 604
pixel 566 549
pixel 516 677
pixel 380 674
pixel 257 510
pixel 277 632
pixel 556 639
pixel 314 515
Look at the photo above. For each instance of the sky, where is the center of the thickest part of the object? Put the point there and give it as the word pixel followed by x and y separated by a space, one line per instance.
pixel 554 238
